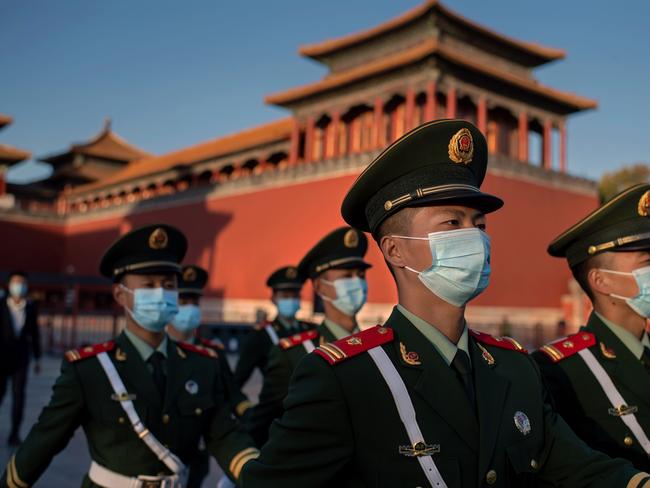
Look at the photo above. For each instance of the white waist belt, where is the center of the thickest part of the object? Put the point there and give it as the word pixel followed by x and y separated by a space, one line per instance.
pixel 272 334
pixel 406 413
pixel 109 479
pixel 615 398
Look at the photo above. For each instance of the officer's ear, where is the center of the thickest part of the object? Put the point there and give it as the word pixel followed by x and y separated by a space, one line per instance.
pixel 599 282
pixel 391 250
pixel 119 293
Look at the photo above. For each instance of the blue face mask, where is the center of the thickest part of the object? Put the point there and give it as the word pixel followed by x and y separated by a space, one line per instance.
pixel 351 294
pixel 460 268
pixel 17 289
pixel 153 308
pixel 641 302
pixel 187 319
pixel 288 307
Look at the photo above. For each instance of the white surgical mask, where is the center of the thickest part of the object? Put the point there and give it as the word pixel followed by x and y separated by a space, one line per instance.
pixel 153 308
pixel 17 289
pixel 187 319
pixel 640 303
pixel 351 294
pixel 460 266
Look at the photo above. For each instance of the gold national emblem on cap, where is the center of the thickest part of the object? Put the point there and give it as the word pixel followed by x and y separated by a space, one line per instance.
pixel 189 275
pixel 292 273
pixel 644 205
pixel 461 147
pixel 158 239
pixel 351 239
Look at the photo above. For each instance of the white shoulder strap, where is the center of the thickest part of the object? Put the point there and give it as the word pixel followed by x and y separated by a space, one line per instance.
pixel 308 345
pixel 406 413
pixel 615 398
pixel 161 452
pixel 272 334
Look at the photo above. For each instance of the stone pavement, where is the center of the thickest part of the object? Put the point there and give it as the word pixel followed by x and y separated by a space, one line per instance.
pixel 68 468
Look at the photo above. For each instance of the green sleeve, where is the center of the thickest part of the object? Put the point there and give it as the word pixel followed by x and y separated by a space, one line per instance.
pixel 303 450
pixel 274 391
pixel 252 354
pixel 52 432
pixel 568 461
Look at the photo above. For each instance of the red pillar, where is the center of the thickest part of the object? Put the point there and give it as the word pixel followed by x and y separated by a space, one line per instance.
pixel 523 137
pixel 547 150
pixel 309 139
pixel 295 143
pixel 451 102
pixel 336 123
pixel 410 108
pixel 481 116
pixel 377 141
pixel 430 109
pixel 563 150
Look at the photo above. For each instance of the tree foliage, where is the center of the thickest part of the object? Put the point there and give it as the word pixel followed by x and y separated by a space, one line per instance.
pixel 616 181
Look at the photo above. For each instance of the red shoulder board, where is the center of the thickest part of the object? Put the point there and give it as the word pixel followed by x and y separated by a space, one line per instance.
pixel 203 351
pixel 212 344
pixel 297 339
pixel 504 342
pixel 570 345
pixel 89 351
pixel 338 351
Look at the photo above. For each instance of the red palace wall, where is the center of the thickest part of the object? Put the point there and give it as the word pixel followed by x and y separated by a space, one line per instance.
pixel 242 238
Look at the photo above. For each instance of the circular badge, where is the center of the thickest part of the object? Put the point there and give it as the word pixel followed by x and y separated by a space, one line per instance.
pixel 158 239
pixel 351 238
pixel 644 205
pixel 291 273
pixel 189 275
pixel 461 147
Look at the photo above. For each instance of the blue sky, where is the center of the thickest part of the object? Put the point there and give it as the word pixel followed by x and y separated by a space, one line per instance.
pixel 174 73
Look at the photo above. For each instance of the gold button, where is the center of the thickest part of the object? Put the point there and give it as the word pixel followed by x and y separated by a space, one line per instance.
pixel 121 420
pixel 388 205
pixel 198 411
pixel 628 441
pixel 165 419
pixel 491 477
pixel 534 464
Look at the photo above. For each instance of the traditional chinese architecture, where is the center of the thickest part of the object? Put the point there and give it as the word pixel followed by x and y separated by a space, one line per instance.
pixel 9 156
pixel 258 199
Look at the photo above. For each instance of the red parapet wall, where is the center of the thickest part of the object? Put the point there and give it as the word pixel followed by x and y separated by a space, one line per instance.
pixel 242 238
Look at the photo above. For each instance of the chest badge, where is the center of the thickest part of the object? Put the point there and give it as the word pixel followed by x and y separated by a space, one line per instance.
pixel 191 387
pixel 522 422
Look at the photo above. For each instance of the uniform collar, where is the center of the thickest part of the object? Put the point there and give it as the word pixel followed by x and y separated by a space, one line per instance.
pixel 336 330
pixel 16 306
pixel 634 345
pixel 287 324
pixel 440 342
pixel 145 350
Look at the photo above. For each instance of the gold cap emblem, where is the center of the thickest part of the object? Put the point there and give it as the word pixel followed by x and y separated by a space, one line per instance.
pixel 158 239
pixel 189 275
pixel 461 147
pixel 291 273
pixel 644 205
pixel 351 238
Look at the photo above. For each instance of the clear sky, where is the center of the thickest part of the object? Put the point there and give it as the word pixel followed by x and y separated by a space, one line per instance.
pixel 174 73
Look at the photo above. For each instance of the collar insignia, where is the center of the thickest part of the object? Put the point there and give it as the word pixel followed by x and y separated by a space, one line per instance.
pixel 411 357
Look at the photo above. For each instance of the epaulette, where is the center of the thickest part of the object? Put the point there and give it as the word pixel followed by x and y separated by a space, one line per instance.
pixel 202 350
pixel 503 342
pixel 570 345
pixel 89 351
pixel 338 351
pixel 212 344
pixel 297 339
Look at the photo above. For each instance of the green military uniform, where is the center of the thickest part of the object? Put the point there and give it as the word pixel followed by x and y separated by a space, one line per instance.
pixel 194 403
pixel 349 423
pixel 621 225
pixel 190 285
pixel 255 348
pixel 344 248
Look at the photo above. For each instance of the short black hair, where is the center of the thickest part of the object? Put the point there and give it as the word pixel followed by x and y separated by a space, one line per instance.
pixel 581 273
pixel 396 224
pixel 13 273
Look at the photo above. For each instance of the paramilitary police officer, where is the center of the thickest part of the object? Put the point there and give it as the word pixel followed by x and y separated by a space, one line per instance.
pixel 286 284
pixel 337 270
pixel 184 328
pixel 143 400
pixel 600 377
pixel 423 400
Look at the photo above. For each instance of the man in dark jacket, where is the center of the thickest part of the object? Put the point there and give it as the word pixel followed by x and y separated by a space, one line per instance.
pixel 18 335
